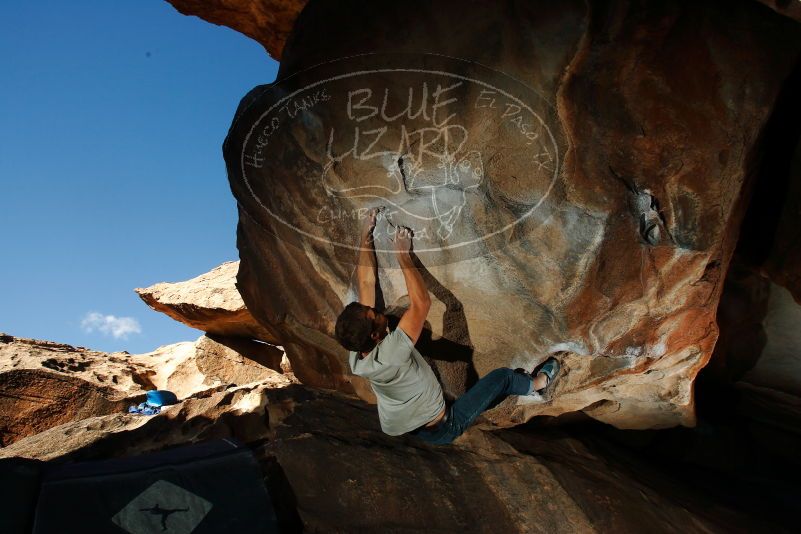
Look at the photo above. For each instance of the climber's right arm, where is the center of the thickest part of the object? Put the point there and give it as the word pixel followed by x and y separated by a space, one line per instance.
pixel 414 318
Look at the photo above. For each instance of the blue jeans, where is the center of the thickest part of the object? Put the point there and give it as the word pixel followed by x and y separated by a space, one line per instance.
pixel 487 392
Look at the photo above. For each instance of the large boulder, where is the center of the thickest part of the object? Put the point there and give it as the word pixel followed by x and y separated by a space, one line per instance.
pixel 575 181
pixel 209 302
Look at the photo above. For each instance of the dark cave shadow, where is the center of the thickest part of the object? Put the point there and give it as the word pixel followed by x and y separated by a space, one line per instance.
pixel 450 356
pixel 743 305
pixel 770 174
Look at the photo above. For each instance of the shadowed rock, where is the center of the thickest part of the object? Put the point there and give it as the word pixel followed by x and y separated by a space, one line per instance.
pixel 267 21
pixel 506 482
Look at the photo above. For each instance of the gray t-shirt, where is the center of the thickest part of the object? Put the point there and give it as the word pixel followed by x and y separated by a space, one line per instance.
pixel 409 395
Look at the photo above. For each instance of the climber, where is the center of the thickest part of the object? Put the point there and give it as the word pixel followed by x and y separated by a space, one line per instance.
pixel 410 398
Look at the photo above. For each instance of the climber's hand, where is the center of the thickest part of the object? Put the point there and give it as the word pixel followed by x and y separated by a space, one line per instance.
pixel 369 223
pixel 403 239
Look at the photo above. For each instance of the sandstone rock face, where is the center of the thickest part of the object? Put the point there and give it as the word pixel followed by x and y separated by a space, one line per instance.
pixel 45 384
pixel 209 302
pixel 48 384
pixel 221 359
pixel 202 416
pixel 267 21
pixel 575 176
pixel 210 362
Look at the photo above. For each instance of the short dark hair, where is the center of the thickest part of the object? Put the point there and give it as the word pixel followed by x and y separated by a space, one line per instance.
pixel 353 328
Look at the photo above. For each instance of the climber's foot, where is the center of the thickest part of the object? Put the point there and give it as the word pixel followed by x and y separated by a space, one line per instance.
pixel 546 375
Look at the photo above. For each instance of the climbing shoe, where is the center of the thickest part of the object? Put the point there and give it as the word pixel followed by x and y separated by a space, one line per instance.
pixel 550 369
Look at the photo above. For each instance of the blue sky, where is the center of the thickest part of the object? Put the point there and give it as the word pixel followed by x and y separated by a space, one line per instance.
pixel 112 117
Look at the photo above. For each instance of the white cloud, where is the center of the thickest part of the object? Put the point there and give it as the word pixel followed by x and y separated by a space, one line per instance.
pixel 118 327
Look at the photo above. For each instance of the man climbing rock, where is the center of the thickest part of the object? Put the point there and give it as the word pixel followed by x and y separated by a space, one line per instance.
pixel 410 398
